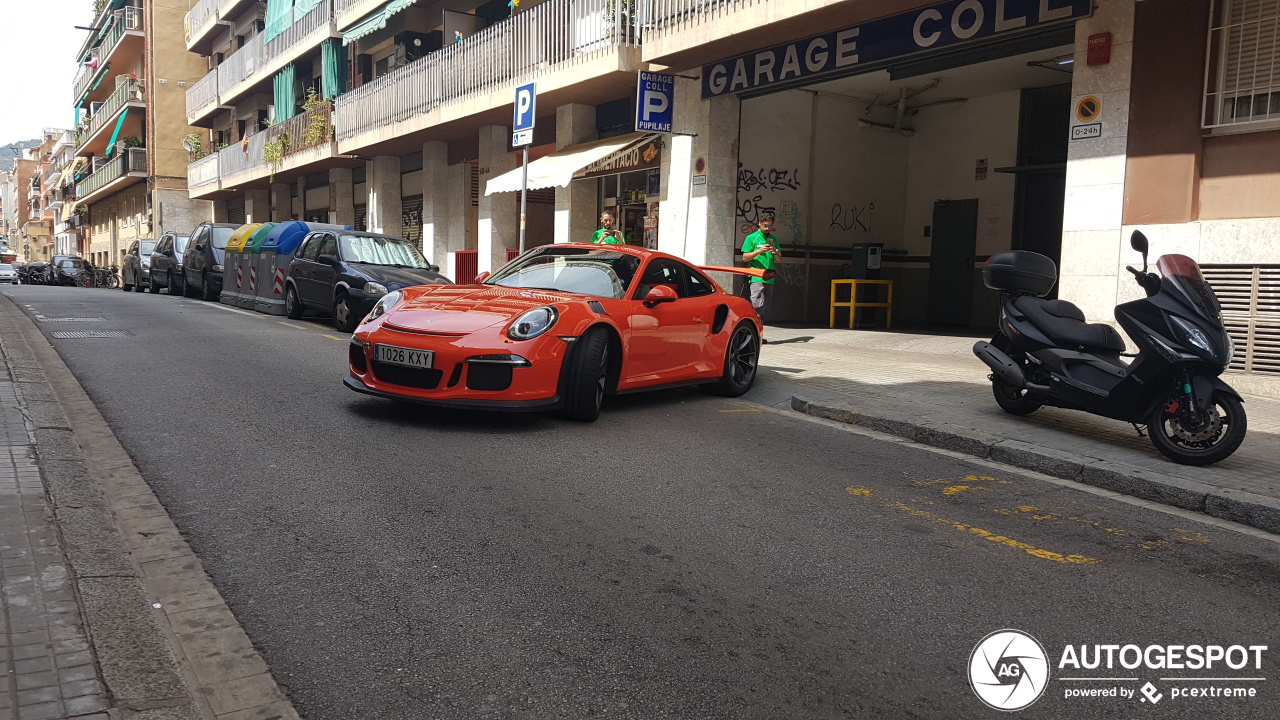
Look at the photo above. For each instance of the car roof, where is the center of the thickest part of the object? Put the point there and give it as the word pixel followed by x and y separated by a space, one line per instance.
pixel 642 253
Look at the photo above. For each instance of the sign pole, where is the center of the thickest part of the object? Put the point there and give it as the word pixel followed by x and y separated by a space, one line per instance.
pixel 524 194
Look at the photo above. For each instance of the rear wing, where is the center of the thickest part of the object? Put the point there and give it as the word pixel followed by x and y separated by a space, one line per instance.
pixel 753 272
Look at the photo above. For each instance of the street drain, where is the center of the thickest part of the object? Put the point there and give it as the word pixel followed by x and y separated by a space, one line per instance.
pixel 42 318
pixel 78 334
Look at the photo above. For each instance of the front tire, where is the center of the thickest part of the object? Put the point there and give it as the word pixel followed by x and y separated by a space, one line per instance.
pixel 293 308
pixel 741 360
pixel 188 290
pixel 209 293
pixel 345 318
pixel 1198 439
pixel 587 378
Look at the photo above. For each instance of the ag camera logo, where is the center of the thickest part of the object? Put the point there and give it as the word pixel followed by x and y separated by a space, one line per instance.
pixel 1009 670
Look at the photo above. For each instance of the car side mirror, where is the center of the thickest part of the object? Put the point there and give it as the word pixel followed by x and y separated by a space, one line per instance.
pixel 329 260
pixel 482 277
pixel 659 294
pixel 1138 242
pixel 433 268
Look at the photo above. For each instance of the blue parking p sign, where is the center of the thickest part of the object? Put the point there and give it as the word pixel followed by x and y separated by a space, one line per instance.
pixel 525 108
pixel 655 102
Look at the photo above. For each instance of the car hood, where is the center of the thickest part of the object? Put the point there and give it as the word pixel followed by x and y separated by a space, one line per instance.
pixel 394 278
pixel 463 309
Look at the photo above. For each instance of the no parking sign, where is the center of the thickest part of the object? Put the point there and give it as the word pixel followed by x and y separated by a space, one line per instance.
pixel 655 102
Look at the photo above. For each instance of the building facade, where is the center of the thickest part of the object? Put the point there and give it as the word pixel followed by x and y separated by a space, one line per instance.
pixel 128 98
pixel 943 132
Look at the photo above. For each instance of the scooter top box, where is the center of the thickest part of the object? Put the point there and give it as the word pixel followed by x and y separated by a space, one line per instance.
pixel 1020 271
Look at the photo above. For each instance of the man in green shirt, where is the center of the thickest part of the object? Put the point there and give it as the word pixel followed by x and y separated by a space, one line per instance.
pixel 760 250
pixel 607 235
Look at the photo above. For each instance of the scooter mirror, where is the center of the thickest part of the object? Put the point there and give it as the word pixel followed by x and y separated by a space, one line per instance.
pixel 1138 242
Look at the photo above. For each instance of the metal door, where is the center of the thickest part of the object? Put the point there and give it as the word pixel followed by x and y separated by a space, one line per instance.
pixel 955 237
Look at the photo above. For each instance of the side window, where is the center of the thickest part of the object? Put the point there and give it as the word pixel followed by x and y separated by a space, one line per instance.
pixel 662 272
pixel 699 285
pixel 133 249
pixel 309 247
pixel 198 238
pixel 328 246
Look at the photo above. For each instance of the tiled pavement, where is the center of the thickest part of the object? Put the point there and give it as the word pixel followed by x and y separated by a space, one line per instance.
pixel 937 378
pixel 46 668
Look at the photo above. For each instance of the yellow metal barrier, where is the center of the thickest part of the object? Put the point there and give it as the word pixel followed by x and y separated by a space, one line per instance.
pixel 853 303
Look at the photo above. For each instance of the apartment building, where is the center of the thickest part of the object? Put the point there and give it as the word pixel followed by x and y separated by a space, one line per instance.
pixel 59 195
pixel 128 98
pixel 942 131
pixel 32 232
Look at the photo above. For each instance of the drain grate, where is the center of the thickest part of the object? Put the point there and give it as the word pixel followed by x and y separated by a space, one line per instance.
pixel 42 318
pixel 78 334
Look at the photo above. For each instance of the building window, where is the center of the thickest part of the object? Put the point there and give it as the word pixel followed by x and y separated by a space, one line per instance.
pixel 1242 80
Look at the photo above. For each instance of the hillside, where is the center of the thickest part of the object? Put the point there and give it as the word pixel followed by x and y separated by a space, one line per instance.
pixel 10 152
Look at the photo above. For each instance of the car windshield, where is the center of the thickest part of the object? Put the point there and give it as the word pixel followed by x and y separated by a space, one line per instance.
pixel 1185 275
pixel 5 266
pixel 221 236
pixel 146 248
pixel 605 273
pixel 180 242
pixel 374 250
pixel 71 263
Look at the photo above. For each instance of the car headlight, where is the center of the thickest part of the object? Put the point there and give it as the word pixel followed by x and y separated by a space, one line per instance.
pixel 373 288
pixel 217 268
pixel 1193 334
pixel 533 323
pixel 384 304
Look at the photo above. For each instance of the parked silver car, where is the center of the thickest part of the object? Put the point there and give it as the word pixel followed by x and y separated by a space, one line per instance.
pixel 8 274
pixel 136 272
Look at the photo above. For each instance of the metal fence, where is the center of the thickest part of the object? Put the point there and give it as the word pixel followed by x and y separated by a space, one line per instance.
pixel 203 171
pixel 204 13
pixel 556 33
pixel 203 95
pixel 256 54
pixel 127 91
pixel 663 17
pixel 306 130
pixel 131 160
pixel 243 156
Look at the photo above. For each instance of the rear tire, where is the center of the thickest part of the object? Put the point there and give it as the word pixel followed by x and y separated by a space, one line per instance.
pixel 293 308
pixel 187 290
pixel 741 360
pixel 1012 400
pixel 126 285
pixel 587 378
pixel 1181 444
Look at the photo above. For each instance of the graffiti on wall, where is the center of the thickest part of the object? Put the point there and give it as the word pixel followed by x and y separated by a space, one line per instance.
pixel 750 210
pixel 855 218
pixel 770 179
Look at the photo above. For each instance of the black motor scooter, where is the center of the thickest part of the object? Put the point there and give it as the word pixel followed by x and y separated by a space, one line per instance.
pixel 1046 354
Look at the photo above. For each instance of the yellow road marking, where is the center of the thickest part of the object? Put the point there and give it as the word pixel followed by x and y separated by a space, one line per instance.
pixel 299 327
pixel 1007 541
pixel 1190 536
pixel 971 480
pixel 957 489
pixel 335 337
pixel 859 491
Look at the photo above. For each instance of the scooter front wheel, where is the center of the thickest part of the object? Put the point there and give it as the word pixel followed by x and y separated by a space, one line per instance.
pixel 1202 438
pixel 1011 399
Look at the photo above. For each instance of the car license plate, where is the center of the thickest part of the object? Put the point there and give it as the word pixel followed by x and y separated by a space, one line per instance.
pixel 407 357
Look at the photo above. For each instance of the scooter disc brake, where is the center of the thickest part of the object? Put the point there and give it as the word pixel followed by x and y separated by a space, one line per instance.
pixel 1208 432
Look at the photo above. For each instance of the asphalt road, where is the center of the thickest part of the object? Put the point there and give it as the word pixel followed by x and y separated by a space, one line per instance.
pixel 684 557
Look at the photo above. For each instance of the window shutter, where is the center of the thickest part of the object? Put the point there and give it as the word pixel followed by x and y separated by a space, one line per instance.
pixel 1244 79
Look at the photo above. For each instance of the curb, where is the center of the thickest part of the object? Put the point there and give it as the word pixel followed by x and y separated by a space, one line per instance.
pixel 166 645
pixel 1247 508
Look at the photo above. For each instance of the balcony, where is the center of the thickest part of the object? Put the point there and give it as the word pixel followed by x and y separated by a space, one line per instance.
pixel 93 135
pixel 693 32
pixel 561 43
pixel 202 98
pixel 124 35
pixel 126 168
pixel 199 25
pixel 307 143
pixel 257 61
pixel 202 175
pixel 348 12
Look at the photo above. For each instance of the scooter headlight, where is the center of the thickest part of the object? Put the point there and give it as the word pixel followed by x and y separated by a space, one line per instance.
pixel 1193 334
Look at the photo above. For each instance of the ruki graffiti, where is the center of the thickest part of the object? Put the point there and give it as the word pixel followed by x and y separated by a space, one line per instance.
pixel 771 179
pixel 854 218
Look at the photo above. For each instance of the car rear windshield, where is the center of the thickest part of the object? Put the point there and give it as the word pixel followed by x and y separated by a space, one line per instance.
pixel 221 236
pixel 180 242
pixel 374 250
pixel 72 262
pixel 147 248
pixel 604 273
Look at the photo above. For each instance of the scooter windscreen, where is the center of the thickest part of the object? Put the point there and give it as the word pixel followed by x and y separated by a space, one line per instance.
pixel 1185 275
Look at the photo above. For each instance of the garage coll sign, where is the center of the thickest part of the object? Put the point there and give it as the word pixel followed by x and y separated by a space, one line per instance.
pixel 930 28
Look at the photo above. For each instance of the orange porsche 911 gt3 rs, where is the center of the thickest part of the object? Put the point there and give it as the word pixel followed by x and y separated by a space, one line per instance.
pixel 558 328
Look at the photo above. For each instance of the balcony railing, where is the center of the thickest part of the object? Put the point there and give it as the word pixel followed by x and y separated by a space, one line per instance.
pixel 307 130
pixel 555 34
pixel 204 13
pixel 662 17
pixel 125 20
pixel 341 6
pixel 241 157
pixel 203 171
pixel 129 161
pixel 257 54
pixel 129 90
pixel 87 73
pixel 203 95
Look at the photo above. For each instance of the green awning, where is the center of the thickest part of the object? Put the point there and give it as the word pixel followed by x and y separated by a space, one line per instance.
pixel 279 18
pixel 115 134
pixel 333 69
pixel 375 22
pixel 285 93
pixel 302 7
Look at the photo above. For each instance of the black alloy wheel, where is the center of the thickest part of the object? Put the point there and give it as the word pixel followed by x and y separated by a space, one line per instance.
pixel 1201 437
pixel 741 360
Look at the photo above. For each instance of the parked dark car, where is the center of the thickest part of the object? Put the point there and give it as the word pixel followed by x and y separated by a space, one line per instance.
pixel 203 258
pixel 166 263
pixel 65 270
pixel 344 273
pixel 136 269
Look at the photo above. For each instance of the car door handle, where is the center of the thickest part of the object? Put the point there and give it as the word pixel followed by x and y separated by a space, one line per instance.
pixel 697 319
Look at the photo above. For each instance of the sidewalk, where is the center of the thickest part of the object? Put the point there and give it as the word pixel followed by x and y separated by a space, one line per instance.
pixel 932 389
pixel 105 613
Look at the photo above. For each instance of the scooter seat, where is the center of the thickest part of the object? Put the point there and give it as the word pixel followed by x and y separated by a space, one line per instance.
pixel 1064 323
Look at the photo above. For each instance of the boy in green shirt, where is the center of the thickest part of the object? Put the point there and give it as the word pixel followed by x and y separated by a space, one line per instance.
pixel 607 235
pixel 760 250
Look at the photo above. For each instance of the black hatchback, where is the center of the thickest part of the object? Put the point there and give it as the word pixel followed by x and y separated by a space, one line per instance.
pixel 343 273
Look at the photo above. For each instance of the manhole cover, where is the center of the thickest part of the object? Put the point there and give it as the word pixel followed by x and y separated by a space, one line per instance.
pixel 73 319
pixel 75 334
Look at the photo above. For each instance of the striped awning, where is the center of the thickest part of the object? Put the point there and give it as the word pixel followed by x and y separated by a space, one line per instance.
pixel 375 22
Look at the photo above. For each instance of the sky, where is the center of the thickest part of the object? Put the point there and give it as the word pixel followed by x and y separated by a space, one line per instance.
pixel 37 64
